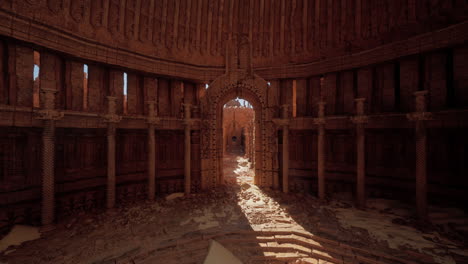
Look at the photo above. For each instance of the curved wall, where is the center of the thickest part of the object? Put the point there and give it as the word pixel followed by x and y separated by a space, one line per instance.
pixel 385 68
pixel 188 38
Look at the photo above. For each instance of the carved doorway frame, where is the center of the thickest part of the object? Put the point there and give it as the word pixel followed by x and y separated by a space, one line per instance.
pixel 227 87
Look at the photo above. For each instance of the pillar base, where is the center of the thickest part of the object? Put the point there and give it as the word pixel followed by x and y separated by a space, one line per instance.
pixel 47 228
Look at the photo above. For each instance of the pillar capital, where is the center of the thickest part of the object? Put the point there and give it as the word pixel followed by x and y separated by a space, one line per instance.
pixel 420 106
pixel 151 104
pixel 281 122
pixel 419 116
pixel 48 98
pixel 111 117
pixel 49 90
pixel 152 119
pixel 321 108
pixel 420 101
pixel 188 122
pixel 320 121
pixel 360 103
pixel 48 114
pixel 187 110
pixel 285 111
pixel 111 104
pixel 360 117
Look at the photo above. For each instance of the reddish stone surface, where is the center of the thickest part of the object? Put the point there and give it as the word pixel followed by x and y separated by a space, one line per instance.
pixel 309 51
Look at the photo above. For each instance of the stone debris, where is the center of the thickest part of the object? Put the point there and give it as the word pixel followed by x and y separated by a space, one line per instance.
pixel 137 230
pixel 218 254
pixel 18 235
pixel 173 196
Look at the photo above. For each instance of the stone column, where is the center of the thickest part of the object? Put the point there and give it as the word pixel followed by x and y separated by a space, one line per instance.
pixel 420 116
pixel 152 122
pixel 283 122
pixel 187 149
pixel 112 119
pixel 320 121
pixel 49 115
pixel 360 119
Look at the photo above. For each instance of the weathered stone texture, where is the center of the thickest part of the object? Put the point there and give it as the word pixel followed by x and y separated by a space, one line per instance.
pixel 51 77
pixel 135 99
pixel 329 93
pixel 409 81
pixel 301 97
pixel 21 75
pixel 435 80
pixel 74 85
pixel 460 67
pixel 97 88
pixel 164 102
pixel 313 95
pixel 116 88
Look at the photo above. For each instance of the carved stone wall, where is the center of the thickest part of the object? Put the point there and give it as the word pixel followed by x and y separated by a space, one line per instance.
pixel 196 31
pixel 238 123
pixel 387 76
pixel 227 87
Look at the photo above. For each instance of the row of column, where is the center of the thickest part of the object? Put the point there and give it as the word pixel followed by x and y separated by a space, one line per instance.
pixel 420 116
pixel 50 115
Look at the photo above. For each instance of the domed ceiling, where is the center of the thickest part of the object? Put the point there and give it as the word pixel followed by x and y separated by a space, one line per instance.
pixel 281 31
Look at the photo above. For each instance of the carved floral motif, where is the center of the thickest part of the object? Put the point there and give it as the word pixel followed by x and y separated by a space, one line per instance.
pixel 55 5
pixel 77 10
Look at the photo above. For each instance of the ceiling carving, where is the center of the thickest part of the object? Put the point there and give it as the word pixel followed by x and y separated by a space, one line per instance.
pixel 195 32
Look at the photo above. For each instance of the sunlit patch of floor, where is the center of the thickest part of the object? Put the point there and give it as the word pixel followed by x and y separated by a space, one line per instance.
pixel 178 230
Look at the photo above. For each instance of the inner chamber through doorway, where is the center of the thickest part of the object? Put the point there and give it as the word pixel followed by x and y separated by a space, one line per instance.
pixel 238 147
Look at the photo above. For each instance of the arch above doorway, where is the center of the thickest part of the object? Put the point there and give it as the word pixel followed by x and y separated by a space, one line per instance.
pixel 253 90
pixel 240 82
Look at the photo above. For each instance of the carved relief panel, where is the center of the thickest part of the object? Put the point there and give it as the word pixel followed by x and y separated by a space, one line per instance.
pixel 77 10
pixel 97 13
pixel 239 81
pixel 114 16
pixel 55 5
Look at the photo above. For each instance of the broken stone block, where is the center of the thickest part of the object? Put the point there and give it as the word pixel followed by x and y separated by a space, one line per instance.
pixel 18 235
pixel 219 254
pixel 173 196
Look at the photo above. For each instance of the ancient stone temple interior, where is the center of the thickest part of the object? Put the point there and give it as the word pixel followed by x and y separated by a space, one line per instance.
pixel 234 131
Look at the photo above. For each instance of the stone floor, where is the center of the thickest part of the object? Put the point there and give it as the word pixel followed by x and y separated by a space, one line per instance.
pixel 258 226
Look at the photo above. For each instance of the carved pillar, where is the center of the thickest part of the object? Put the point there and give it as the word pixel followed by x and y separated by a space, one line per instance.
pixel 112 119
pixel 187 149
pixel 285 149
pixel 320 121
pixel 360 119
pixel 49 115
pixel 152 122
pixel 419 117
pixel 284 123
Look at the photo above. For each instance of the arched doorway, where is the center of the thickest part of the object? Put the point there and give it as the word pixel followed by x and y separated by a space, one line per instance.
pixel 238 120
pixel 238 81
pixel 220 92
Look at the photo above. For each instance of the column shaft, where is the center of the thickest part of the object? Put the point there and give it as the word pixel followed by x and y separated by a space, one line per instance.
pixel 421 176
pixel 285 159
pixel 110 165
pixel 151 162
pixel 321 161
pixel 187 160
pixel 361 165
pixel 48 177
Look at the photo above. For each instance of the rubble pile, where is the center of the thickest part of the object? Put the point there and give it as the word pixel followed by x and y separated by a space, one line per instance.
pixel 133 230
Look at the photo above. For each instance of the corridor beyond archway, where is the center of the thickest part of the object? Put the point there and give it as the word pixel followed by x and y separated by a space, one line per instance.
pixel 238 142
